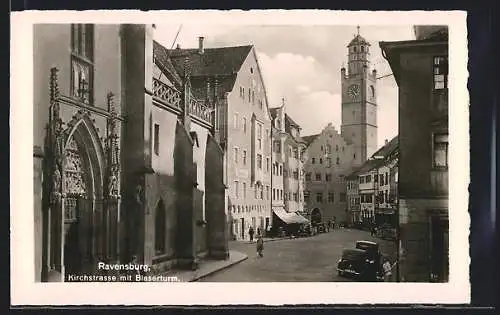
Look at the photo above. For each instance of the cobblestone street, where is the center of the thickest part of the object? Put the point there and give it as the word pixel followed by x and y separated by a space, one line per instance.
pixel 304 259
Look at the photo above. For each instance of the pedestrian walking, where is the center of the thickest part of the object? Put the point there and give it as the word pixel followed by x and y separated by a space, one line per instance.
pixel 250 232
pixel 260 245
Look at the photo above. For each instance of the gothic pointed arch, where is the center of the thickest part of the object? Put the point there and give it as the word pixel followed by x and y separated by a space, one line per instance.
pixel 84 148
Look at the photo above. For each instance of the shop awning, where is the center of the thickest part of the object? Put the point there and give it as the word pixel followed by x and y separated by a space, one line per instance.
pixel 289 217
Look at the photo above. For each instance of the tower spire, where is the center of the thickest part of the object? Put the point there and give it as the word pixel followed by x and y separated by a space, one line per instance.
pixel 357 27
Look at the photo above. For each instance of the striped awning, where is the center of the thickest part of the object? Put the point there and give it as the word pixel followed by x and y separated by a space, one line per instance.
pixel 289 217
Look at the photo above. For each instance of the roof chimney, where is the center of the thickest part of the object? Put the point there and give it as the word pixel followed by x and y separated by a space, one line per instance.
pixel 201 50
pixel 178 46
pixel 386 141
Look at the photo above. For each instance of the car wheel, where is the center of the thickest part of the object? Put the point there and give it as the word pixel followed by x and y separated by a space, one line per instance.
pixel 340 273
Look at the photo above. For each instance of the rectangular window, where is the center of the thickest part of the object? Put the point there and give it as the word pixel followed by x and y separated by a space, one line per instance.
pixel 313 161
pixel 319 197
pixel 259 136
pixel 274 193
pixel 260 104
pixel 329 162
pixel 244 190
pixel 235 121
pixel 440 72
pixel 82 62
pixel 441 150
pixel 320 161
pixel 236 155
pixel 236 189
pixel 330 197
pixel 306 196
pixel 281 194
pixel 242 92
pixel 250 95
pixel 267 164
pixel 244 157
pixel 296 153
pixel 318 176
pixel 328 177
pixel 368 179
pixel 361 179
pixel 253 97
pixel 296 174
pixel 156 139
pixel 295 198
pixel 244 125
pixel 267 192
pixel 308 176
pixel 259 161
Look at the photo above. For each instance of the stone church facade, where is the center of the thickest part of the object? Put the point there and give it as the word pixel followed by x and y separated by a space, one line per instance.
pixel 121 146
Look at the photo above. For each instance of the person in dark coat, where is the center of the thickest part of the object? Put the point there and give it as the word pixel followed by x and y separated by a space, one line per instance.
pixel 251 232
pixel 260 245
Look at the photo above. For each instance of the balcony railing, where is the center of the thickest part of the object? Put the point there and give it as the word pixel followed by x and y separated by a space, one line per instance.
pixel 199 110
pixel 166 93
pixel 439 182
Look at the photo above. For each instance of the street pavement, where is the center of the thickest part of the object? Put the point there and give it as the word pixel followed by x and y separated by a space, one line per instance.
pixel 307 259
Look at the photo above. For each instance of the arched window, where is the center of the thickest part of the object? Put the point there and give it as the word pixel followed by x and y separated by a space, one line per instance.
pixel 355 49
pixel 160 229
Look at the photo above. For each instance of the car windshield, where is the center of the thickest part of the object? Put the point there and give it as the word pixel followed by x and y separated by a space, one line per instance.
pixel 366 246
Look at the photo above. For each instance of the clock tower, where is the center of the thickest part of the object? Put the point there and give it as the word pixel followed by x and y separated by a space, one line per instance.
pixel 359 101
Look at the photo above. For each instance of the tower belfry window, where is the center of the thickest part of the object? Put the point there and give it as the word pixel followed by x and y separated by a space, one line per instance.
pixel 362 49
pixel 355 49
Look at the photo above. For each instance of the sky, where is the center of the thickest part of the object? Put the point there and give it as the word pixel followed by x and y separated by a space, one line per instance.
pixel 302 65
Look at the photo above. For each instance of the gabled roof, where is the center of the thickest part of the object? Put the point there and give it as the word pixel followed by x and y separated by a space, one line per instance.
pixel 164 62
pixel 223 61
pixel 289 120
pixel 358 40
pixel 309 139
pixel 377 159
pixel 388 148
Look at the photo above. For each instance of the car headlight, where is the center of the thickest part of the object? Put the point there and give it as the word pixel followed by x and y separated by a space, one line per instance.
pixel 370 261
pixel 340 260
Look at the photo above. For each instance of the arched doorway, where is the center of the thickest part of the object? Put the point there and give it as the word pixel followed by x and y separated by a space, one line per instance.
pixel 78 208
pixel 316 216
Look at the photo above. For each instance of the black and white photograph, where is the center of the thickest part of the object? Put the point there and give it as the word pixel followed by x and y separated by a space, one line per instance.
pixel 241 150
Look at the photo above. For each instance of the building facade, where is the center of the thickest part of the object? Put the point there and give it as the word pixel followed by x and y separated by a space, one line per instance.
pixel 116 141
pixel 327 162
pixel 232 76
pixel 420 68
pixel 287 169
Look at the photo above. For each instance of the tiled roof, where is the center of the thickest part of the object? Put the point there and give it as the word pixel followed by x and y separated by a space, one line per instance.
pixel 309 139
pixel 163 61
pixel 289 120
pixel 388 148
pixel 222 61
pixel 372 163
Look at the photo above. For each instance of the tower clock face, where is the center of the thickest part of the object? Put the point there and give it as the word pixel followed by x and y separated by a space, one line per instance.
pixel 353 91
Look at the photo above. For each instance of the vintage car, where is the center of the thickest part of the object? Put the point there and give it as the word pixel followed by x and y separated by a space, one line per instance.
pixel 362 262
